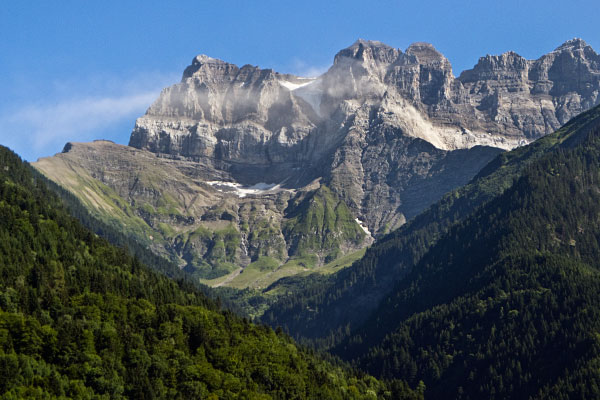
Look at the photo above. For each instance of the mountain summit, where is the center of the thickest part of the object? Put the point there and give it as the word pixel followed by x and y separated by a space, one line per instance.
pixel 296 129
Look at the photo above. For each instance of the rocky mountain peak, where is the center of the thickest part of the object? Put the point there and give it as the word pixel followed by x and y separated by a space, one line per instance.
pixel 572 72
pixel 574 52
pixel 366 50
pixel 573 44
pixel 203 64
pixel 204 59
pixel 509 65
pixel 425 53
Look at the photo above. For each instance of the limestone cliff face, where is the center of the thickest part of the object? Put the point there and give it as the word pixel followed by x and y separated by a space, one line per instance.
pixel 379 126
pixel 533 98
pixel 221 111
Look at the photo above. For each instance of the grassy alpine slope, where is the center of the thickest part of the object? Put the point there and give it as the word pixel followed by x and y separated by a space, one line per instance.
pixel 172 207
pixel 80 318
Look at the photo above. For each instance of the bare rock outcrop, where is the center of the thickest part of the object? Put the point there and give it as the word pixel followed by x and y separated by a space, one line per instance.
pixel 356 124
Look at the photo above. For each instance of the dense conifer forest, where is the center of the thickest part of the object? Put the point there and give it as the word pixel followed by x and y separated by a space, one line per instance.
pixel 506 304
pixel 493 291
pixel 80 318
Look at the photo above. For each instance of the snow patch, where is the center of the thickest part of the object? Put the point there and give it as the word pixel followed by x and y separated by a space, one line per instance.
pixel 363 226
pixel 242 191
pixel 293 86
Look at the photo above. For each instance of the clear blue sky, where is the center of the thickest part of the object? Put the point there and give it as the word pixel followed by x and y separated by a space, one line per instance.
pixel 83 70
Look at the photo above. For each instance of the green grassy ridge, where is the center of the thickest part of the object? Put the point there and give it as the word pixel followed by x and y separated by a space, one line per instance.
pixel 317 225
pixel 508 297
pixel 221 244
pixel 120 212
pixel 329 309
pixel 265 239
pixel 216 255
pixel 82 319
pixel 320 221
pixel 244 296
pixel 219 254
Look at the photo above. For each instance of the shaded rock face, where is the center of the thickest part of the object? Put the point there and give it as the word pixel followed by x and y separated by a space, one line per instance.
pixel 380 126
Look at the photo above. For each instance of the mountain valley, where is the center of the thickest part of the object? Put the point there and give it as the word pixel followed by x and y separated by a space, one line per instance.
pixel 420 235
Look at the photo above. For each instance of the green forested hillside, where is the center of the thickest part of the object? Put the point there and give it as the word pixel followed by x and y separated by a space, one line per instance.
pixel 82 319
pixel 328 310
pixel 507 303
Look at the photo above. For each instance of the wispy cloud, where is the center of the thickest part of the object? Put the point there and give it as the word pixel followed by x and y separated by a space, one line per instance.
pixel 71 119
pixel 304 69
pixel 42 127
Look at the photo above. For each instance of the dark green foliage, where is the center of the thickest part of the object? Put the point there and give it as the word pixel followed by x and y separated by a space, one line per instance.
pixel 506 304
pixel 80 318
pixel 332 307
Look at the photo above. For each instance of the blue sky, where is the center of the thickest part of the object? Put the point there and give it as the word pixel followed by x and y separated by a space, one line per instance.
pixel 84 70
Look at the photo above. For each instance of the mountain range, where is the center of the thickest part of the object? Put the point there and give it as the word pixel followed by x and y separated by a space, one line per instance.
pixel 438 233
pixel 244 175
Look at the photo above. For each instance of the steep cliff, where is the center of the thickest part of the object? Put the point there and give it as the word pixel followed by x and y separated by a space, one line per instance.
pixel 356 125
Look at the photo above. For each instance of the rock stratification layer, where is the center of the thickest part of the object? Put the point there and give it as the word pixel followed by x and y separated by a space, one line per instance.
pixel 376 126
